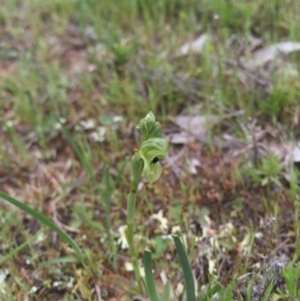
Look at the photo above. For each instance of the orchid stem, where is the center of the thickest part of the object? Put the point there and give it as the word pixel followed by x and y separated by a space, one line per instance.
pixel 131 203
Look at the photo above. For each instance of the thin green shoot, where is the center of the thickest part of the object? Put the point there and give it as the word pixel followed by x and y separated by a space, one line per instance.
pixel 44 220
pixel 16 250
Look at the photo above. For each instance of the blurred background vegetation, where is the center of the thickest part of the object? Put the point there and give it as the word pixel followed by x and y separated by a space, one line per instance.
pixel 100 66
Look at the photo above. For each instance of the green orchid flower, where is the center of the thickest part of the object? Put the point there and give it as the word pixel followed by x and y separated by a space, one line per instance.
pixel 149 127
pixel 153 150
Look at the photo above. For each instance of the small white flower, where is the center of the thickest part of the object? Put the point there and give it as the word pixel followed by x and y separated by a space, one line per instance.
pixel 103 239
pixel 33 290
pixel 99 134
pixel 258 235
pixel 117 119
pixel 179 289
pixel 8 125
pixel 57 125
pixel 88 124
pixel 71 282
pixel 41 238
pixel 175 230
pixel 129 268
pixel 122 241
pixel 3 274
pixel 78 128
pixel 226 230
pixel 163 220
pixel 57 283
pixel 211 266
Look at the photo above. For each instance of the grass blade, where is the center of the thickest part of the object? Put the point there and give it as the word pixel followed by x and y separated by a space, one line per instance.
pixel 211 291
pixel 151 289
pixel 187 270
pixel 14 251
pixel 166 292
pixel 107 198
pixel 120 173
pixel 44 220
